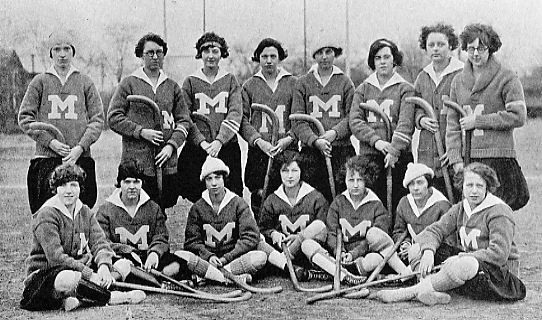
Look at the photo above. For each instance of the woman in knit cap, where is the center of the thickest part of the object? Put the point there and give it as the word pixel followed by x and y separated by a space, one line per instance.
pixel 493 97
pixel 486 264
pixel 68 100
pixel 220 227
pixel 216 94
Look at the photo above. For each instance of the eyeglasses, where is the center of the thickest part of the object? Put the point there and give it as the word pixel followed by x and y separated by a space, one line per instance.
pixel 480 49
pixel 151 53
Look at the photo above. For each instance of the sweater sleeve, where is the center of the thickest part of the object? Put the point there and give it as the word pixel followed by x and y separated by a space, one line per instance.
pixel 302 129
pixel 98 243
pixel 358 120
pixel 230 126
pixel 433 235
pixel 117 116
pixel 418 112
pixel 402 135
pixel 332 223
pixel 342 128
pixel 453 128
pixel 321 207
pixel 247 131
pixel 269 217
pixel 249 234
pixel 194 134
pixel 160 235
pixel 400 225
pixel 181 115
pixel 95 114
pixel 194 234
pixel 382 219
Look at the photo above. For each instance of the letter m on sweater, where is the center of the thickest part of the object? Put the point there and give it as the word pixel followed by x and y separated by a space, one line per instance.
pixel 468 241
pixel 332 103
pixel 384 106
pixel 139 238
pixel 293 228
pixel 57 105
pixel 204 100
pixel 349 231
pixel 224 236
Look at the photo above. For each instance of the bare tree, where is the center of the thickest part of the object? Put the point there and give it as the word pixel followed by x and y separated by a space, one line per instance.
pixel 122 37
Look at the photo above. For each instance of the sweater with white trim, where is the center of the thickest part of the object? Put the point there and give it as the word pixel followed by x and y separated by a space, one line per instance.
pixel 369 128
pixel 498 102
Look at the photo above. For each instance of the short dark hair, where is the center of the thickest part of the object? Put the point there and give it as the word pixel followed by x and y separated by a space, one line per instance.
pixel 210 37
pixel 368 170
pixel 445 29
pixel 146 38
pixel 65 173
pixel 129 168
pixel 290 156
pixel 269 42
pixel 484 171
pixel 484 33
pixel 382 43
pixel 428 178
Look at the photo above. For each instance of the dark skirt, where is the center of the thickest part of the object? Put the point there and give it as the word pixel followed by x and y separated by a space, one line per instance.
pixel 166 259
pixel 170 189
pixel 38 291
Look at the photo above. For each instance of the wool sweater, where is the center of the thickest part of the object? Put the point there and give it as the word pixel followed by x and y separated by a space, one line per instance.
pixel 498 102
pixel 228 233
pixel 408 214
pixel 355 221
pixel 220 101
pixel 390 98
pixel 278 214
pixel 330 104
pixel 434 90
pixel 143 233
pixel 486 233
pixel 60 240
pixel 128 119
pixel 256 125
pixel 73 106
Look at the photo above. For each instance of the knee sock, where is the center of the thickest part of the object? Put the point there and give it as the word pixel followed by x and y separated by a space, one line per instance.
pixel 249 263
pixel 365 265
pixel 379 241
pixel 200 267
pixel 405 294
pixel 273 256
pixel 66 283
pixel 454 273
pixel 320 257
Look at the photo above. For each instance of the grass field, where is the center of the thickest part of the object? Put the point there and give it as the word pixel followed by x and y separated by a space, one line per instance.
pixel 16 151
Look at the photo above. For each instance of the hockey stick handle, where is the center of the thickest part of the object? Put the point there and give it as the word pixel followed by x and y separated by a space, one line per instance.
pixel 338 248
pixel 49 128
pixel 248 287
pixel 205 120
pixel 293 277
pixel 468 133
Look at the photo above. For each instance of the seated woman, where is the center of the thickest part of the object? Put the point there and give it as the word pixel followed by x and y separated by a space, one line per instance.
pixel 135 227
pixel 484 267
pixel 220 227
pixel 421 207
pixel 294 213
pixel 68 245
pixel 364 223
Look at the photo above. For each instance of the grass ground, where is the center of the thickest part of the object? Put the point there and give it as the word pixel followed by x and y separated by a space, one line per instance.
pixel 15 152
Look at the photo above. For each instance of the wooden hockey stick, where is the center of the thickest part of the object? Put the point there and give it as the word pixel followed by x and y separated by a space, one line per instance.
pixel 246 286
pixel 44 126
pixel 214 298
pixel 198 117
pixel 337 275
pixel 428 109
pixel 468 133
pixel 293 277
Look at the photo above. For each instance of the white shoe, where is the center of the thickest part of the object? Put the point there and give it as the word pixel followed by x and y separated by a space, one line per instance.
pixel 432 298
pixel 245 277
pixel 71 303
pixel 129 297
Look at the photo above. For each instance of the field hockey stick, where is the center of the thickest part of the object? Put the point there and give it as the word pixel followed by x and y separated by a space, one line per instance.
pixel 44 126
pixel 321 131
pixel 198 117
pixel 387 124
pixel 274 137
pixel 140 273
pixel 337 275
pixel 293 277
pixel 468 133
pixel 246 286
pixel 374 274
pixel 235 293
pixel 157 116
pixel 133 286
pixel 428 109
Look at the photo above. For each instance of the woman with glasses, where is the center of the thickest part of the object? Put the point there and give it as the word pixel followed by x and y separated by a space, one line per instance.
pixel 137 125
pixel 493 97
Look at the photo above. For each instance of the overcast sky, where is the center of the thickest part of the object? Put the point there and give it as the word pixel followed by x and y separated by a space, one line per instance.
pixel 248 21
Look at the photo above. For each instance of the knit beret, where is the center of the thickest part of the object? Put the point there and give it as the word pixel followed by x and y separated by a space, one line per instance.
pixel 213 165
pixel 416 170
pixel 60 37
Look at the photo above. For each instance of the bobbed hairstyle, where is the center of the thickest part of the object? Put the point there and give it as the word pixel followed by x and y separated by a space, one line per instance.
pixel 211 39
pixel 445 29
pixel 368 170
pixel 129 168
pixel 484 171
pixel 382 43
pixel 65 173
pixel 288 157
pixel 146 38
pixel 428 178
pixel 269 42
pixel 484 33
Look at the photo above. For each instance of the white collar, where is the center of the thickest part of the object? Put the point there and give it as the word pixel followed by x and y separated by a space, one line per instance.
pixel 57 204
pixel 227 198
pixel 282 73
pixel 371 196
pixel 52 71
pixel 395 79
pixel 434 198
pixel 199 74
pixel 303 191
pixel 488 202
pixel 454 65
pixel 139 73
pixel 114 198
pixel 314 70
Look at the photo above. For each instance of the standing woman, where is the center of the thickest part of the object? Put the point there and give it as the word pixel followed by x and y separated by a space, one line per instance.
pixel 493 97
pixel 215 93
pixel 433 85
pixel 386 90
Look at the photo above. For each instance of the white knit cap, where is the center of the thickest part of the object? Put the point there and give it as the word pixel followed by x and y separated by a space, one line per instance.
pixel 212 165
pixel 416 170
pixel 60 37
